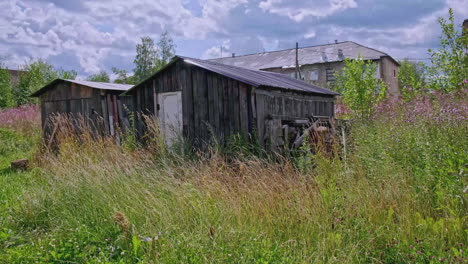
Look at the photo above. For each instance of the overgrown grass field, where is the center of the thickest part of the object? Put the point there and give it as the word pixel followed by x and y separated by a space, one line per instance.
pixel 400 196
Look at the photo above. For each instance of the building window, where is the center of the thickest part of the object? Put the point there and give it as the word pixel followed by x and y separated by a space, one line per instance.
pixel 330 75
pixel 394 73
pixel 314 75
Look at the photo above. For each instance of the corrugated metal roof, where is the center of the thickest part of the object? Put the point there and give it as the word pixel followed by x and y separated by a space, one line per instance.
pixel 259 78
pixel 94 85
pixel 307 55
pixel 102 85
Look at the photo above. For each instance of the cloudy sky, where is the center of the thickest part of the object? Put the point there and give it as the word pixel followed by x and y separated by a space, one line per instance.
pixel 91 35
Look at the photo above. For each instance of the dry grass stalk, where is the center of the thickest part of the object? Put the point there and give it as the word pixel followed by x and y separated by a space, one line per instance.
pixel 252 198
pixel 122 221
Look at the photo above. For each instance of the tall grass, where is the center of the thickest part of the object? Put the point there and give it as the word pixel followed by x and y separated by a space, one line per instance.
pixel 399 197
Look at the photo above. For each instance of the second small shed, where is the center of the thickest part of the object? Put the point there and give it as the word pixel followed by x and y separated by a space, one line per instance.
pixel 202 99
pixel 97 102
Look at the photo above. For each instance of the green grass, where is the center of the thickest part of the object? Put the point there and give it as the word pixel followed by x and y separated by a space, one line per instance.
pixel 398 198
pixel 13 184
pixel 13 146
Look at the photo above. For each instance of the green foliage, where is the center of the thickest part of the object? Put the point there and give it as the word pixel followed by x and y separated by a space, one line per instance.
pixel 122 76
pixel 360 89
pixel 6 90
pixel 37 74
pixel 237 146
pixel 304 159
pixel 145 59
pixel 12 183
pixel 411 78
pixel 69 75
pixel 15 146
pixel 102 76
pixel 129 137
pixel 449 69
pixel 149 58
pixel 165 50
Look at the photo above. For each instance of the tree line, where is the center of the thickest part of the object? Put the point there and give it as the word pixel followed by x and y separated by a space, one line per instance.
pixel 36 73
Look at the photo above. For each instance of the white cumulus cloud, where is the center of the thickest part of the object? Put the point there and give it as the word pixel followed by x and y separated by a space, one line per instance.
pixel 298 11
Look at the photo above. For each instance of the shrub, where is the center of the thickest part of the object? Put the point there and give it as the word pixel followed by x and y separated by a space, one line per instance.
pixel 449 64
pixel 360 89
pixel 6 91
pixel 411 79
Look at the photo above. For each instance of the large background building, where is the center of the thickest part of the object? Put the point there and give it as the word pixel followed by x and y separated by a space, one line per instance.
pixel 318 63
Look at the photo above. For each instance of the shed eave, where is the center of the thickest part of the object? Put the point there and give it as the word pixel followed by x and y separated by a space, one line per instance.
pixel 176 58
pixel 188 60
pixel 45 88
pixel 98 85
pixel 333 94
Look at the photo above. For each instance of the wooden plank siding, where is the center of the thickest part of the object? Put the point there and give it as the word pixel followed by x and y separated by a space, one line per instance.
pixel 214 105
pixel 224 85
pixel 278 105
pixel 94 106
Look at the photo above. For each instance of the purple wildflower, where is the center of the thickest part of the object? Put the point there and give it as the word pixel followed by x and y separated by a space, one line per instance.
pixel 25 118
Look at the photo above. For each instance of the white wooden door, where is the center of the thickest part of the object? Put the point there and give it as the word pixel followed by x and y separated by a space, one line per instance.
pixel 170 115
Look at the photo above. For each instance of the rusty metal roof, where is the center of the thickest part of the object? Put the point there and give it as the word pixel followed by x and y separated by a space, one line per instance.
pixel 258 78
pixel 307 55
pixel 94 85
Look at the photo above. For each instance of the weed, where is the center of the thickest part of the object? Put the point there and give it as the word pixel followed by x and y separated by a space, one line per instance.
pixel 398 199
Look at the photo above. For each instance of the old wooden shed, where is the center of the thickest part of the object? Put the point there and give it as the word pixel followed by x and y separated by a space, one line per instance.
pixel 97 102
pixel 203 99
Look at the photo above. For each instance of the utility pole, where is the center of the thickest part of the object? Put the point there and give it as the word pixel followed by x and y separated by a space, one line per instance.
pixel 298 71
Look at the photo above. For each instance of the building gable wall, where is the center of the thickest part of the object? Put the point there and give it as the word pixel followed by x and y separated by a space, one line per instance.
pixel 387 70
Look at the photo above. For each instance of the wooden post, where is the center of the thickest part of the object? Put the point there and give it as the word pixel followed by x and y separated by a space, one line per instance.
pixel 298 71
pixel 116 119
pixel 114 108
pixel 105 113
pixel 22 164
pixel 120 111
pixel 155 100
pixel 343 135
pixel 110 113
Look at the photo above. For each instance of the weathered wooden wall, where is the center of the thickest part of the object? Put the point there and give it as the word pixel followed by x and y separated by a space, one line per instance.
pixel 212 105
pixel 274 107
pixel 67 98
pixel 126 108
pixel 215 105
pixel 103 109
